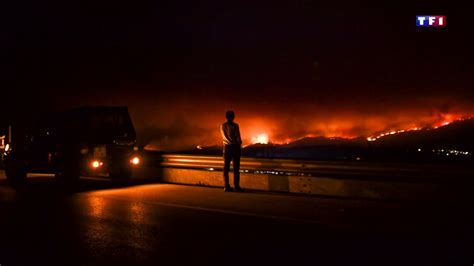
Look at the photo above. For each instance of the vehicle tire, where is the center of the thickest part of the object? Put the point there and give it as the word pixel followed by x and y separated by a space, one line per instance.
pixel 15 172
pixel 68 172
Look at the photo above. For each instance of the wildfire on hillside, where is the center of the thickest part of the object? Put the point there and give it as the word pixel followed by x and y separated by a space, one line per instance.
pixel 284 130
pixel 263 138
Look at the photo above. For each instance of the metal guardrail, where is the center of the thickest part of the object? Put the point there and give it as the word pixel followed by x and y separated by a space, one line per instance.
pixel 342 169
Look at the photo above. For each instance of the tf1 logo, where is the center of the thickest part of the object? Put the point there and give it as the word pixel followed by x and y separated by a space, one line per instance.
pixel 431 21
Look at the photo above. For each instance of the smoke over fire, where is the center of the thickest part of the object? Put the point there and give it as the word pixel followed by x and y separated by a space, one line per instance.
pixel 173 119
pixel 288 70
pixel 182 123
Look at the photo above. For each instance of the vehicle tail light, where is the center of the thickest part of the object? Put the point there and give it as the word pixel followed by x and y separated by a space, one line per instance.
pixel 96 164
pixel 135 160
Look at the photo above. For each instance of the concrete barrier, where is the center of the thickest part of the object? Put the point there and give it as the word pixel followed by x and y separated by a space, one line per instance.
pixel 303 184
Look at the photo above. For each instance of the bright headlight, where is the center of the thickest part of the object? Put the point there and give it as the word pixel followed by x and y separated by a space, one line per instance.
pixel 135 160
pixel 96 164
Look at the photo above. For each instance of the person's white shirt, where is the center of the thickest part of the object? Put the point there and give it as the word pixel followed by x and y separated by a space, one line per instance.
pixel 231 133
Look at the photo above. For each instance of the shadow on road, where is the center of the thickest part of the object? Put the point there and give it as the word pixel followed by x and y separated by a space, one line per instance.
pixel 48 186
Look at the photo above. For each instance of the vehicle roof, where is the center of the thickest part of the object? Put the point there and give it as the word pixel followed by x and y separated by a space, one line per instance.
pixel 46 117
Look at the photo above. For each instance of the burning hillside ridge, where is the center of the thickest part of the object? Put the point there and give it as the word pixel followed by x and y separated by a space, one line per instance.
pixel 451 142
pixel 446 120
pixel 260 131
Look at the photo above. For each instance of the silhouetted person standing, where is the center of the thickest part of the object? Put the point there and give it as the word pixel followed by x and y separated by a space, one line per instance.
pixel 232 143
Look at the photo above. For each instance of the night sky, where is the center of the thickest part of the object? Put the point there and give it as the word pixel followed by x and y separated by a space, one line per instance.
pixel 288 69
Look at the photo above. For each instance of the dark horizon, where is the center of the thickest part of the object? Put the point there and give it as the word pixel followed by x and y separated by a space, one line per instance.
pixel 287 69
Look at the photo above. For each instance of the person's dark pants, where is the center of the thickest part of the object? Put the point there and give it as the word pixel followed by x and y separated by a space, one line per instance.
pixel 232 153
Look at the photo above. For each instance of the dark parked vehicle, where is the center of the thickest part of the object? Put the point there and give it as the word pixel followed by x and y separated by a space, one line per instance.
pixel 94 141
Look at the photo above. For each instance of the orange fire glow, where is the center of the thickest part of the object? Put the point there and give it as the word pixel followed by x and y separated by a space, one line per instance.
pixel 267 128
pixel 447 119
pixel 260 139
pixel 393 132
pixel 338 129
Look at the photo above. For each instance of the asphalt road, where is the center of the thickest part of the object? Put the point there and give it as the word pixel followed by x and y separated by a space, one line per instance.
pixel 98 222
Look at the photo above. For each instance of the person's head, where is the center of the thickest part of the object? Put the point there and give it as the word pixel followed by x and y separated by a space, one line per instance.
pixel 230 115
